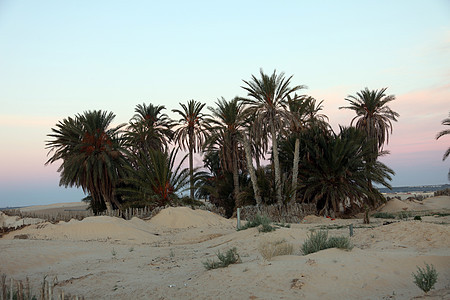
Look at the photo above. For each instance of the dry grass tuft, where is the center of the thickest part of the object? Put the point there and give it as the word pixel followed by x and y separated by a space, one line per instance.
pixel 269 249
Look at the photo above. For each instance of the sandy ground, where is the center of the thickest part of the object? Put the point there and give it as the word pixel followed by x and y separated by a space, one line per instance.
pixel 161 258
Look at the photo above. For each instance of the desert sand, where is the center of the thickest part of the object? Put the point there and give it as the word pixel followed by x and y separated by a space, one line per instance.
pixel 161 258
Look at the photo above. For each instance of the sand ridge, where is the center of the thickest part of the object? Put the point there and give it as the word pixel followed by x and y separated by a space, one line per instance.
pixel 162 258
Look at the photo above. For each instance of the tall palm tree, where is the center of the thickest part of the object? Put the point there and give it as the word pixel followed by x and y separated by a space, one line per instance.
pixel 227 129
pixel 267 99
pixel 225 125
pixel 442 133
pixel 373 115
pixel 149 128
pixel 191 133
pixel 303 113
pixel 93 154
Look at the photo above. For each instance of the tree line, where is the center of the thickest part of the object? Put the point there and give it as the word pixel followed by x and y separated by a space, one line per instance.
pixel 135 164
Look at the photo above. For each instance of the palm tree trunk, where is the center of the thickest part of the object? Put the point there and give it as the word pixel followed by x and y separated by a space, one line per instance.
pixel 236 179
pixel 191 163
pixel 251 169
pixel 276 162
pixel 295 170
pixel 108 206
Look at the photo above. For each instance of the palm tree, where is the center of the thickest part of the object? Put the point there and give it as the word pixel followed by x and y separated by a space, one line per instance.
pixel 93 155
pixel 149 128
pixel 442 133
pixel 373 116
pixel 335 169
pixel 191 133
pixel 304 112
pixel 227 130
pixel 268 97
pixel 155 179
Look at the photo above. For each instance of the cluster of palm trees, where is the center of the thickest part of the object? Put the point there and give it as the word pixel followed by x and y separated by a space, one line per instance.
pixel 136 163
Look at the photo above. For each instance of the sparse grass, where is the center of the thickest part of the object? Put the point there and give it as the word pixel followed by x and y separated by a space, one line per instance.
pixel 269 249
pixel 319 240
pixel 404 215
pixel 16 289
pixel 172 253
pixel 262 222
pixel 285 225
pixel 383 215
pixel 425 279
pixel 440 214
pixel 113 252
pixel 230 257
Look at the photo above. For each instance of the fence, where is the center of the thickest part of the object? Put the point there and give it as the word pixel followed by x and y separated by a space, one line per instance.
pixel 16 289
pixel 292 213
pixel 127 214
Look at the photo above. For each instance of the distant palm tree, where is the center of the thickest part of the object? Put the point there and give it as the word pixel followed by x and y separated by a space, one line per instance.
pixel 149 128
pixel 373 116
pixel 93 155
pixel 267 99
pixel 442 133
pixel 191 133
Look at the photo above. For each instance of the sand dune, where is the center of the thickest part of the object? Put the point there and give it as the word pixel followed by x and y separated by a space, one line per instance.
pixel 110 258
pixel 432 203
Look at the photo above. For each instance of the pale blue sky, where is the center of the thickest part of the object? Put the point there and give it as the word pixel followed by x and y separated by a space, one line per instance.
pixel 60 58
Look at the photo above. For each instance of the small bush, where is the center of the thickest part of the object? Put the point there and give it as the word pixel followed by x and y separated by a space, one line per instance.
pixel 340 242
pixel 269 249
pixel 262 222
pixel 383 215
pixel 230 257
pixel 418 218
pixel 425 279
pixel 317 241
pixel 404 215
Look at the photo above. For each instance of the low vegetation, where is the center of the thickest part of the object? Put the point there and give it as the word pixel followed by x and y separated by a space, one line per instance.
pixel 230 257
pixel 319 240
pixel 383 215
pixel 425 278
pixel 269 249
pixel 262 222
pixel 17 290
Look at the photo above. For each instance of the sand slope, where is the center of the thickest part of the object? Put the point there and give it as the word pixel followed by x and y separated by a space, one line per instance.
pixel 110 258
pixel 433 203
pixel 91 229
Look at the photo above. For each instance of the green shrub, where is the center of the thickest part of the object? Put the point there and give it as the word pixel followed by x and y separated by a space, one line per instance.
pixel 404 215
pixel 319 240
pixel 383 215
pixel 340 242
pixel 425 279
pixel 419 218
pixel 262 222
pixel 316 241
pixel 230 257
